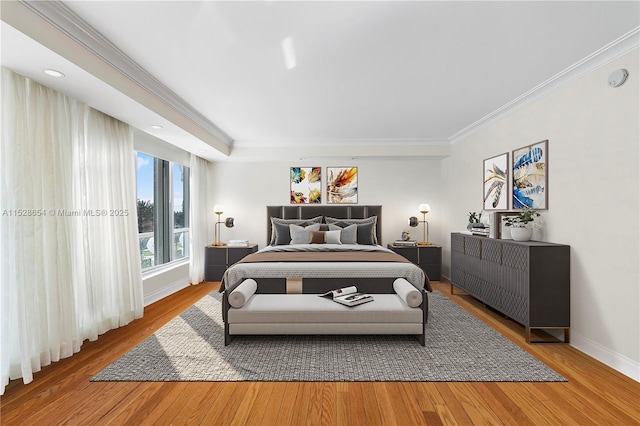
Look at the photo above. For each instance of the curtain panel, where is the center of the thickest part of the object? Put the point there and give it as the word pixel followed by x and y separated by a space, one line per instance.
pixel 70 263
pixel 198 218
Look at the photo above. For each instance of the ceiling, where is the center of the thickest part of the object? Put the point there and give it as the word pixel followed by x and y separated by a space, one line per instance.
pixel 384 79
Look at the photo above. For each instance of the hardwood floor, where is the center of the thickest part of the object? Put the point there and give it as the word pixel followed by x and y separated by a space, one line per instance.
pixel 62 394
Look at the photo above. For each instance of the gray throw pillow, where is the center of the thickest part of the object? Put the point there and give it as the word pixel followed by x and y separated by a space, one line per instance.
pixel 283 237
pixel 302 235
pixel 369 220
pixel 366 234
pixel 348 234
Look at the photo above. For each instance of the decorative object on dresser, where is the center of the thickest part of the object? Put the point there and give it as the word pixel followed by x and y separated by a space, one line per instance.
pixel 413 222
pixel 218 258
pixel 527 281
pixel 305 185
pixel 228 222
pixel 530 176
pixel 476 226
pixel 522 224
pixel 496 182
pixel 428 258
pixel 342 185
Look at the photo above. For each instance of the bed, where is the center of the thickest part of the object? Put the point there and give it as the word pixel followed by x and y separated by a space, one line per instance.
pixel 315 249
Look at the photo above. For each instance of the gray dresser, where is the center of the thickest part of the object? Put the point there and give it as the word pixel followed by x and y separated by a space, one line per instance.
pixel 527 281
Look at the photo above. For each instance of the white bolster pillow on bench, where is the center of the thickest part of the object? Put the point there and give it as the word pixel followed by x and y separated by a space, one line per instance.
pixel 408 292
pixel 242 293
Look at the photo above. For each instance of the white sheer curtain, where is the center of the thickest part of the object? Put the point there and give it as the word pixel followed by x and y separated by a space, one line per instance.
pixel 70 266
pixel 199 219
pixel 107 261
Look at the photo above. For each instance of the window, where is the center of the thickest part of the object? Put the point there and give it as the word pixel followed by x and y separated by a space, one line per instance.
pixel 163 210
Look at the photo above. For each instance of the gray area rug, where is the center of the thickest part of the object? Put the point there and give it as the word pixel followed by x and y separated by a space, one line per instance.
pixel 459 347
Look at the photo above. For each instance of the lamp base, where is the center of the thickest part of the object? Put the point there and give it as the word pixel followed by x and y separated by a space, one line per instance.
pixel 218 244
pixel 424 243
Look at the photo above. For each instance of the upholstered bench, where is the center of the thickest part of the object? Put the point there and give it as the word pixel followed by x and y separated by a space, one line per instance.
pixel 260 314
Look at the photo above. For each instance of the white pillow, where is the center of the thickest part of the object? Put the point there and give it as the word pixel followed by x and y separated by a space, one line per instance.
pixel 300 235
pixel 239 296
pixel 410 294
pixel 332 237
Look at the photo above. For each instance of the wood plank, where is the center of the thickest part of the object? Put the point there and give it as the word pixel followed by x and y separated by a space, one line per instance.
pixel 403 391
pixel 425 403
pixel 345 410
pixel 304 399
pixel 257 411
pixel 449 408
pixel 188 405
pixel 328 413
pixel 247 402
pixel 288 403
pixel 476 407
pixel 370 406
pixel 224 407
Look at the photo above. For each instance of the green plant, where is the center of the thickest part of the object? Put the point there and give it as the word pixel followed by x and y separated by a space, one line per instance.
pixel 474 217
pixel 525 218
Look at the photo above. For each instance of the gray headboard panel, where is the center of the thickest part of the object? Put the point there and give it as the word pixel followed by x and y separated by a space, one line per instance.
pixel 346 211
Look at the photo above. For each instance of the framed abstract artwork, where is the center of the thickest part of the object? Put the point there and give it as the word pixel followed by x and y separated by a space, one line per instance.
pixel 342 185
pixel 530 176
pixel 306 185
pixel 496 182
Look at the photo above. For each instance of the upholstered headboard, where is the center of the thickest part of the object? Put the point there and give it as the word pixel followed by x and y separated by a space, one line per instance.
pixel 347 211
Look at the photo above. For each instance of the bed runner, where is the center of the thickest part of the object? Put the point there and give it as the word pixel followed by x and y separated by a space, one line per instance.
pixel 323 257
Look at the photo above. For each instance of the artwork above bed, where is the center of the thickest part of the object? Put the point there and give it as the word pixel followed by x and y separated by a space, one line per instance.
pixel 305 185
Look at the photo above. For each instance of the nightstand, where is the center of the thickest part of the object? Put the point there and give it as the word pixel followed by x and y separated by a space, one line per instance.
pixel 429 258
pixel 218 258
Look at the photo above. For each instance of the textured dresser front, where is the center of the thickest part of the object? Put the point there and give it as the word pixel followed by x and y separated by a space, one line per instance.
pixel 527 281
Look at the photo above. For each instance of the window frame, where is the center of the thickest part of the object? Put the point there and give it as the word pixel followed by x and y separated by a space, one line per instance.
pixel 164 252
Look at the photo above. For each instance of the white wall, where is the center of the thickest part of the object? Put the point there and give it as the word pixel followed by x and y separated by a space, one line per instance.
pixel 245 189
pixel 593 132
pixel 164 282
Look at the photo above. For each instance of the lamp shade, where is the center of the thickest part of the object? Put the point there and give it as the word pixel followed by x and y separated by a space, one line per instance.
pixel 424 208
pixel 229 222
pixel 413 221
pixel 218 209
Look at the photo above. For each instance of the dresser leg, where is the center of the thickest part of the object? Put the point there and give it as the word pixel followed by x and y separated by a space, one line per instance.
pixel 457 294
pixel 566 330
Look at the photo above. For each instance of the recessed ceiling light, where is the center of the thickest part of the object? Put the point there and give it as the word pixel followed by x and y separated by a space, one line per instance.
pixel 53 73
pixel 156 126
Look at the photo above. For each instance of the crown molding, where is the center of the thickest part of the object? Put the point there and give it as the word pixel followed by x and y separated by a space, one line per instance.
pixel 338 142
pixel 608 53
pixel 73 26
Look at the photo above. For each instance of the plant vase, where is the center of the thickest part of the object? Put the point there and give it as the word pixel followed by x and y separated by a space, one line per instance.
pixel 520 233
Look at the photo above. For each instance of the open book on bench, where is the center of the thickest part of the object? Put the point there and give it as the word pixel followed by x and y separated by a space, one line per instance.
pixel 348 296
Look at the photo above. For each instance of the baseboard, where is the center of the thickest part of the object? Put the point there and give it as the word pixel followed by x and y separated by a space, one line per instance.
pixel 617 361
pixel 165 291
